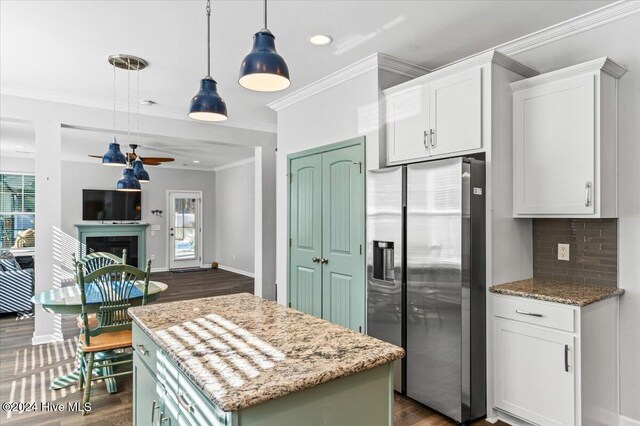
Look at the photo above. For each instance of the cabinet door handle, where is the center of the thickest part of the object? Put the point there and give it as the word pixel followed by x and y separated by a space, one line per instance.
pixel 154 407
pixel 142 350
pixel 432 138
pixel 184 403
pixel 531 314
pixel 587 194
pixel 566 358
pixel 424 139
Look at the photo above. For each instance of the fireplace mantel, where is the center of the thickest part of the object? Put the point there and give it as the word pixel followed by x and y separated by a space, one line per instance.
pixel 88 230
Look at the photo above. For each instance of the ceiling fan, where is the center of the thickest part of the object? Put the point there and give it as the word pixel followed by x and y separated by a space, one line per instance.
pixel 147 161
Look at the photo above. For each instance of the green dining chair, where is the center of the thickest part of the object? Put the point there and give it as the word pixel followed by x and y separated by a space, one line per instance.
pixel 112 287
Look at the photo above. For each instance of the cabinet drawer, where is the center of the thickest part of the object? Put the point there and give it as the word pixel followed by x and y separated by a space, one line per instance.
pixel 198 409
pixel 545 314
pixel 144 347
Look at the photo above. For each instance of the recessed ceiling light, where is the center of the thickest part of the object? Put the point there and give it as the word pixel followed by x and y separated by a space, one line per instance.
pixel 196 161
pixel 320 39
pixel 147 102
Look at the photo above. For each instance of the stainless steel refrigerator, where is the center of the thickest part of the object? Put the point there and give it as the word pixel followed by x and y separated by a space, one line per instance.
pixel 426 279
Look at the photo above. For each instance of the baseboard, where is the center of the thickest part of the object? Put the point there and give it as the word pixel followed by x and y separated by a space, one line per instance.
pixel 237 271
pixel 628 421
pixel 46 338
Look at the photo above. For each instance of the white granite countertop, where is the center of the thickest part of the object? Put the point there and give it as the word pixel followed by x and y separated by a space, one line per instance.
pixel 241 350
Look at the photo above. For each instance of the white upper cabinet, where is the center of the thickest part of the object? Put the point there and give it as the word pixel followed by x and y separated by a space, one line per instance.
pixel 455 113
pixel 565 142
pixel 448 112
pixel 407 123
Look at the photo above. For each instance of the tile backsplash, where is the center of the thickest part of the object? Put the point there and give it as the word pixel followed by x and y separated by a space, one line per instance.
pixel 593 250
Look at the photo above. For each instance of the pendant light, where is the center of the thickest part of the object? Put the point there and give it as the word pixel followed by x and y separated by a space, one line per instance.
pixel 138 167
pixel 207 105
pixel 263 69
pixel 113 156
pixel 128 181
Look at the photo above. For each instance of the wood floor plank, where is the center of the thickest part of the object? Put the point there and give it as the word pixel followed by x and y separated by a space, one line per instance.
pixel 26 370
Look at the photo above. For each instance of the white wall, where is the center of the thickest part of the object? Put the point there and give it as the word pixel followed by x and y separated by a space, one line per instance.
pixel 235 214
pixel 77 176
pixel 17 164
pixel 620 40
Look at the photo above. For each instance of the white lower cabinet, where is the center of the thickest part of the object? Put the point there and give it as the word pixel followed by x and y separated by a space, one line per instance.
pixel 555 364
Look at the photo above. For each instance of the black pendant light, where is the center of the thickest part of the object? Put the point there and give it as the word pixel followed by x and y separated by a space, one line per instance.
pixel 207 105
pixel 263 69
pixel 128 181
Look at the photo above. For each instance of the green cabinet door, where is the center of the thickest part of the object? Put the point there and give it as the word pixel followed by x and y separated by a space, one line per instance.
pixel 146 404
pixel 305 282
pixel 343 287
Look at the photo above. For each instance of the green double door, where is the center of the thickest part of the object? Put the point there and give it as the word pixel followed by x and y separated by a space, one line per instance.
pixel 326 229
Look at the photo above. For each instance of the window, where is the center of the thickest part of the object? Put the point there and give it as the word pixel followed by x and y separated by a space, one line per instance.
pixel 17 210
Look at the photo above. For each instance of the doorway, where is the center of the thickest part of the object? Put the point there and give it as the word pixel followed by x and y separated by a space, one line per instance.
pixel 185 229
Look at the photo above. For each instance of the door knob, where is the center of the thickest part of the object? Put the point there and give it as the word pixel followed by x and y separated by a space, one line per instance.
pixel 315 259
pixel 171 234
pixel 324 260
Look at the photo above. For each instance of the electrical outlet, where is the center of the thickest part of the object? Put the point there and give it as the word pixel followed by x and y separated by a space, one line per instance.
pixel 563 251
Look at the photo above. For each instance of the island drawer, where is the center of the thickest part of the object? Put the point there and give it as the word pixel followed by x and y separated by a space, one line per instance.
pixel 144 347
pixel 529 311
pixel 198 409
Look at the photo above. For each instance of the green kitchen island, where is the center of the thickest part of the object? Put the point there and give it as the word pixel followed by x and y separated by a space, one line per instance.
pixel 243 360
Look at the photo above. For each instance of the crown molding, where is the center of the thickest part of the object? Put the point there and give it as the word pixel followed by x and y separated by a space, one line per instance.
pixel 601 64
pixel 491 56
pixel 587 21
pixel 234 164
pixel 154 111
pixel 371 62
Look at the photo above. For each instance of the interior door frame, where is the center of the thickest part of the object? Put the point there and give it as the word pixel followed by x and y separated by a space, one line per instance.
pixel 358 141
pixel 168 223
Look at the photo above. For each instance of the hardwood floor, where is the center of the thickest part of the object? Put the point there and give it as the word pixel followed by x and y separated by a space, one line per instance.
pixel 25 370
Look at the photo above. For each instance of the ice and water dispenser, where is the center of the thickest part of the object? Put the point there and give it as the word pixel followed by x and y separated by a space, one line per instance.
pixel 383 268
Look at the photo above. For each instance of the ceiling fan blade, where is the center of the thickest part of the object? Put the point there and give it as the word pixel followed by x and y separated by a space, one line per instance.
pixel 150 163
pixel 95 156
pixel 158 159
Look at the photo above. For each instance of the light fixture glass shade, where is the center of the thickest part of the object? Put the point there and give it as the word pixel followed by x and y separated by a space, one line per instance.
pixel 128 181
pixel 207 105
pixel 139 172
pixel 263 69
pixel 113 156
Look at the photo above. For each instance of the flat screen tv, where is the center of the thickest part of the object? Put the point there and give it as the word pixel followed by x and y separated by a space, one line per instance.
pixel 103 205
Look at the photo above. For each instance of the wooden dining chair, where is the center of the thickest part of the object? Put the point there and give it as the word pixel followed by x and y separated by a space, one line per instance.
pixel 92 262
pixel 112 287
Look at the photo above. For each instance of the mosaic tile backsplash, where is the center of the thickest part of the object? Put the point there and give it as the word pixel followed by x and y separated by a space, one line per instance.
pixel 593 250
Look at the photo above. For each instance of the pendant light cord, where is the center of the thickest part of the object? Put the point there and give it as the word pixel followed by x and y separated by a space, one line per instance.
pixel 114 100
pixel 128 105
pixel 265 14
pixel 208 38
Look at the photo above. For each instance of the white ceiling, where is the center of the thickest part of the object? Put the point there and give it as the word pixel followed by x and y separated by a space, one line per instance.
pixel 58 49
pixel 18 140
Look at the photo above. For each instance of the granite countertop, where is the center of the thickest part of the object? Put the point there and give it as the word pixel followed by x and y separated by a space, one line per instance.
pixel 241 350
pixel 557 291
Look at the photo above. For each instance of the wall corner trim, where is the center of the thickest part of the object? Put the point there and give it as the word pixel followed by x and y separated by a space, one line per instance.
pixel 375 61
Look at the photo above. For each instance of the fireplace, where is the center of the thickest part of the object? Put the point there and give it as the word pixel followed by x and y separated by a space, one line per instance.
pixel 115 245
pixel 113 238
